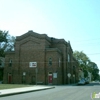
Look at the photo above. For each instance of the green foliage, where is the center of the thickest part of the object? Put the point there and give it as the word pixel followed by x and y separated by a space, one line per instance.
pixel 2 53
pixel 6 42
pixel 81 57
pixel 3 39
pixel 86 64
pixel 3 36
pixel 94 71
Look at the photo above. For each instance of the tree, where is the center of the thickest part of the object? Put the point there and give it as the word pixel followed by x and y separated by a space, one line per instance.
pixel 86 65
pixel 3 40
pixel 3 36
pixel 94 70
pixel 6 42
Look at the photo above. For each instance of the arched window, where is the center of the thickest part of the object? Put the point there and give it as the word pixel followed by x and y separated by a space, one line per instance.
pixel 10 63
pixel 68 58
pixel 50 61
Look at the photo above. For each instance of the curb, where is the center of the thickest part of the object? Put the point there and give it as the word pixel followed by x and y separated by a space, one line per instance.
pixel 71 84
pixel 9 94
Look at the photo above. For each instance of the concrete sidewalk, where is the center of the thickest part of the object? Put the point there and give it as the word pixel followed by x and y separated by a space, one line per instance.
pixel 7 92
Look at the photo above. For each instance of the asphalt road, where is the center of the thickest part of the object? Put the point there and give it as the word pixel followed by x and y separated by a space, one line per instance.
pixel 59 93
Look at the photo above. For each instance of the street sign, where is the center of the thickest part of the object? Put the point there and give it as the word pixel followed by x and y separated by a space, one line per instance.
pixel 69 75
pixel 32 64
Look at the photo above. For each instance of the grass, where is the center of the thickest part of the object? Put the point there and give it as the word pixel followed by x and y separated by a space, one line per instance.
pixel 10 86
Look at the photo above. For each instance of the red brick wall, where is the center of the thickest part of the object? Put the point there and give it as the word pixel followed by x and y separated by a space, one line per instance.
pixel 34 47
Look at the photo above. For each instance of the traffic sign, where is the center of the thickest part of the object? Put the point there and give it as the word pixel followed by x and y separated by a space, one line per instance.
pixel 69 75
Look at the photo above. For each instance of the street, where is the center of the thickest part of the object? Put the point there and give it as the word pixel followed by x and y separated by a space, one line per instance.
pixel 82 92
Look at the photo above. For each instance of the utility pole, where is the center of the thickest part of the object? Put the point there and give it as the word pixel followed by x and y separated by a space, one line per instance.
pixel 36 71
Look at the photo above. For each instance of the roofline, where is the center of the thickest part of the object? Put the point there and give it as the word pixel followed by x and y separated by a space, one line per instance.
pixel 31 33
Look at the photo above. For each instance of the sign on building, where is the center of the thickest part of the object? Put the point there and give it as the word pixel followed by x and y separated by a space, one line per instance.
pixel 32 64
pixel 54 75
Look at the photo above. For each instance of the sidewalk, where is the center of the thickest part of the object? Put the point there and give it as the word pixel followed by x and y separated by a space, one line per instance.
pixel 7 92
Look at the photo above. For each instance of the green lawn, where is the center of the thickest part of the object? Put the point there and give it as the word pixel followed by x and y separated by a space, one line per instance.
pixel 9 86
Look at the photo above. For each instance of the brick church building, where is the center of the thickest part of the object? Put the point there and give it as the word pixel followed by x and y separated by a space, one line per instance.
pixel 38 58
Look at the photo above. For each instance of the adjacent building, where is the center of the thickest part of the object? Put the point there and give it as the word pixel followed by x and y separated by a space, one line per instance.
pixel 2 62
pixel 39 59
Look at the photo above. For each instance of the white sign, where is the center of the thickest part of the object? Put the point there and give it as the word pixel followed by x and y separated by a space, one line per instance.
pixel 54 75
pixel 69 75
pixel 32 64
pixel 24 73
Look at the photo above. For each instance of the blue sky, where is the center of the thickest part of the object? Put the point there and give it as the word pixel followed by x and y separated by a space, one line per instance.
pixel 75 20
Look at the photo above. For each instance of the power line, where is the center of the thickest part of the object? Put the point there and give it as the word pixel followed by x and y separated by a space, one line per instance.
pixel 93 54
pixel 87 40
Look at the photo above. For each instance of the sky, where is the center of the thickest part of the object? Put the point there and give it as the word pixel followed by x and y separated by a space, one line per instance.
pixel 77 21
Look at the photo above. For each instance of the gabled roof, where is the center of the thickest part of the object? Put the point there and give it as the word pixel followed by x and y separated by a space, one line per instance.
pixel 34 34
pixel 54 40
